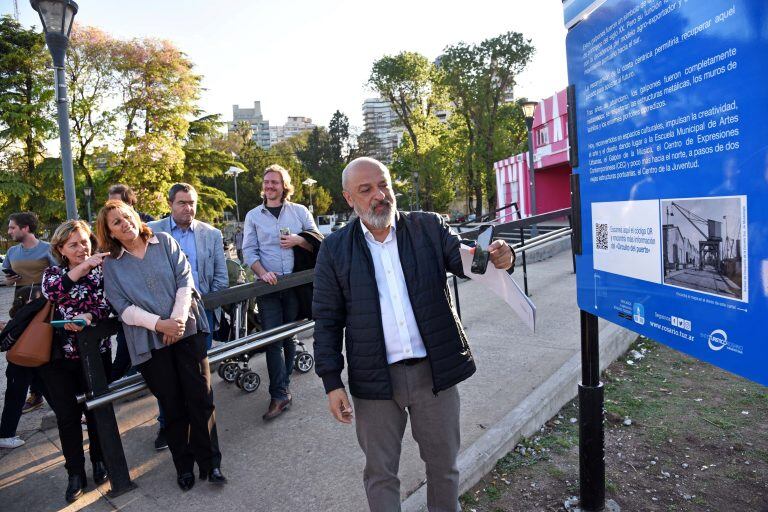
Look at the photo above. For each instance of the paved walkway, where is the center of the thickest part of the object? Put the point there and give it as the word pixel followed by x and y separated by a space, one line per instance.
pixel 305 461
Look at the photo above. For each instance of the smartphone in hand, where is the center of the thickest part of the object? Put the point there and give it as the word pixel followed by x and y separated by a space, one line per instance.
pixel 9 272
pixel 61 323
pixel 480 259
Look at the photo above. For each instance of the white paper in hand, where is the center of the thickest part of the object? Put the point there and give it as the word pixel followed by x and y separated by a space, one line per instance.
pixel 502 284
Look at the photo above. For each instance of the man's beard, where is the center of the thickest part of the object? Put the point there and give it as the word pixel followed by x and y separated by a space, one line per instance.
pixel 381 220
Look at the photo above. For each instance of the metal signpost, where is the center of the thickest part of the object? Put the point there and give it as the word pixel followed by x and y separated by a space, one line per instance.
pixel 670 148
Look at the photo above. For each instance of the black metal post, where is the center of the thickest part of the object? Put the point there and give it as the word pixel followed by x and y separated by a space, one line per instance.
pixel 106 423
pixel 456 295
pixel 525 266
pixel 532 174
pixel 591 431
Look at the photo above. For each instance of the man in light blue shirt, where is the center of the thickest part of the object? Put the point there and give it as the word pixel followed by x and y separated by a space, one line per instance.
pixel 186 239
pixel 271 232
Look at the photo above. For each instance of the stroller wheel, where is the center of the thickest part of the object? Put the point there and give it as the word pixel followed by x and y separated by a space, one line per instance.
pixel 239 378
pixel 249 381
pixel 304 362
pixel 220 368
pixel 229 371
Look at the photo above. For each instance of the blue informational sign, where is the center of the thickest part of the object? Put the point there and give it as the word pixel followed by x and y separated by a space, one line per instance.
pixel 671 106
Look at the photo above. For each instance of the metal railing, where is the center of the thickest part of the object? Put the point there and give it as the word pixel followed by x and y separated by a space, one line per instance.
pixel 102 395
pixel 133 384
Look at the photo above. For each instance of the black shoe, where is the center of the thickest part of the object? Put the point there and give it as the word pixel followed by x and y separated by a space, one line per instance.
pixel 75 488
pixel 215 476
pixel 161 443
pixel 186 481
pixel 99 473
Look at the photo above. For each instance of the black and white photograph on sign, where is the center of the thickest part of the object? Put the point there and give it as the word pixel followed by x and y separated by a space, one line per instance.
pixel 704 245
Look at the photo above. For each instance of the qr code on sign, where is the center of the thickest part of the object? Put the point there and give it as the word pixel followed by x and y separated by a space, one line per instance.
pixel 601 236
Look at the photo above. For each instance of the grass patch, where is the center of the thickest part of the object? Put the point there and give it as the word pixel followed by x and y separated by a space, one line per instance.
pixel 697 440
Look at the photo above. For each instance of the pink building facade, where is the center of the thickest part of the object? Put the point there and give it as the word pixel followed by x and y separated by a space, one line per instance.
pixel 550 160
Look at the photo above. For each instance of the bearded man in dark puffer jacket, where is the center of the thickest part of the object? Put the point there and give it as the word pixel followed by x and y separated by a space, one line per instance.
pixel 380 288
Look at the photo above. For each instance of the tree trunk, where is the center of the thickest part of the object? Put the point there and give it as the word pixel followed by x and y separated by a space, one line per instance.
pixel 30 154
pixel 478 199
pixel 489 176
pixel 426 200
pixel 490 186
pixel 30 140
pixel 471 176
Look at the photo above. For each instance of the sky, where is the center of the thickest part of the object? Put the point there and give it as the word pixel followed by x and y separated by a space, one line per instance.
pixel 310 58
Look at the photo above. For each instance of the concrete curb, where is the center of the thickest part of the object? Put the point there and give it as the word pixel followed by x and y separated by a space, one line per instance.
pixel 479 459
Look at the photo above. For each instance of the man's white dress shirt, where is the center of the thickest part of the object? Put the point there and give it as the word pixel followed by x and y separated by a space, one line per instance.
pixel 401 333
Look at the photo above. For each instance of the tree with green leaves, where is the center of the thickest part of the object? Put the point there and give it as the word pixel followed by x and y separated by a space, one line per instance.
pixel 321 157
pixel 313 150
pixel 26 116
pixel 201 161
pixel 158 91
pixel 321 201
pixel 365 144
pixel 254 159
pixel 479 79
pixel 409 82
pixel 91 80
pixel 338 135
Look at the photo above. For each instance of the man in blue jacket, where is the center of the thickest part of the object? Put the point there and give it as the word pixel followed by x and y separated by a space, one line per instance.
pixel 203 246
pixel 380 291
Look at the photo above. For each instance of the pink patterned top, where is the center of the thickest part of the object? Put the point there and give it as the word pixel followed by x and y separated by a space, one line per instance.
pixel 71 298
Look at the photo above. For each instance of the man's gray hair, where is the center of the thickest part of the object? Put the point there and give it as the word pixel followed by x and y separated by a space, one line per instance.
pixel 357 161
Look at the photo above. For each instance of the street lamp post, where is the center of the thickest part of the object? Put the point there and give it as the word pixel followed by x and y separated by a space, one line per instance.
pixel 57 17
pixel 529 108
pixel 309 182
pixel 88 192
pixel 234 171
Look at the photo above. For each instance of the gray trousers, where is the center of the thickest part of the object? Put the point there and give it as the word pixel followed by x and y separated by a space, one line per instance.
pixel 380 425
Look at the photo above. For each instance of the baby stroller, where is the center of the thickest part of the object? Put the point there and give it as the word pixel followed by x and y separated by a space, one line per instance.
pixel 242 319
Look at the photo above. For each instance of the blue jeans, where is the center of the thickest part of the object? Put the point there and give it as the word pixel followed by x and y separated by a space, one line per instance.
pixel 210 315
pixel 277 309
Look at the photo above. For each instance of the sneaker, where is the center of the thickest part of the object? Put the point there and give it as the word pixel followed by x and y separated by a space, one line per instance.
pixel 11 442
pixel 161 443
pixel 34 401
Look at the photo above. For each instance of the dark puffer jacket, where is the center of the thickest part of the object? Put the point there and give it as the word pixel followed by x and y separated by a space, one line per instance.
pixel 346 297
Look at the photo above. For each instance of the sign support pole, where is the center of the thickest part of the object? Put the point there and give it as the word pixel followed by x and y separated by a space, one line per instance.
pixel 106 424
pixel 591 425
